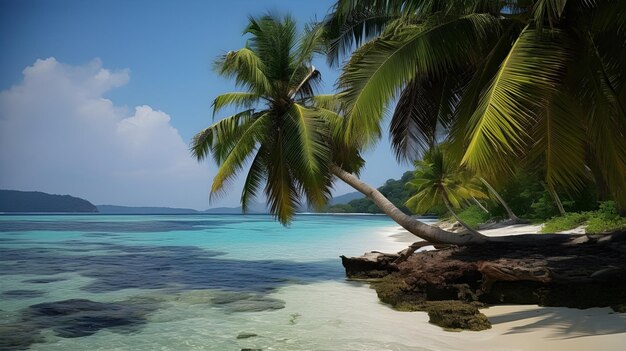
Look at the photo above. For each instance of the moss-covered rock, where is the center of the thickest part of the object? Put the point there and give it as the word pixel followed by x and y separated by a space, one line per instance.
pixel 393 290
pixel 456 315
pixel 579 272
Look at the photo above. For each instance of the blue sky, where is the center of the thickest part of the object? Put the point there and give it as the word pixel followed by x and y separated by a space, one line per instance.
pixel 100 61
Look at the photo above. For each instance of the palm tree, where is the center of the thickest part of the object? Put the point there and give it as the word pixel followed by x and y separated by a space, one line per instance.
pixel 293 139
pixel 438 179
pixel 284 140
pixel 506 82
pixel 512 216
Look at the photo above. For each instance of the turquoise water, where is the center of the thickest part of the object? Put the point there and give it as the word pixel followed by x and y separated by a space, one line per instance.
pixel 189 282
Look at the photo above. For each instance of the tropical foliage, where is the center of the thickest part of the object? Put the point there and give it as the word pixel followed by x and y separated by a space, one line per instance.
pixel 605 219
pixel 287 142
pixel 393 189
pixel 532 83
pixel 439 180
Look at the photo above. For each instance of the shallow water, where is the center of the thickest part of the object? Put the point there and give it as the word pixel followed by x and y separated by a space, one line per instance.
pixel 197 282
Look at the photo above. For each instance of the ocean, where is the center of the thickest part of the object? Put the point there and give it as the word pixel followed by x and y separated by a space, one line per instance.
pixel 190 282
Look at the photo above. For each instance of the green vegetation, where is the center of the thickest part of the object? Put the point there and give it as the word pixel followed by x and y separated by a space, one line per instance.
pixel 288 140
pixel 539 82
pixel 35 201
pixel 605 219
pixel 533 92
pixel 439 180
pixel 394 190
pixel 567 222
pixel 474 216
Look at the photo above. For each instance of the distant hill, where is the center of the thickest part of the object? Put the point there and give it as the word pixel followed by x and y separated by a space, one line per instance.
pixel 35 201
pixel 345 198
pixel 394 190
pixel 113 209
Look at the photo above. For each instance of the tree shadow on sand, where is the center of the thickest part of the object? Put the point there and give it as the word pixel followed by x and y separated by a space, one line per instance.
pixel 567 323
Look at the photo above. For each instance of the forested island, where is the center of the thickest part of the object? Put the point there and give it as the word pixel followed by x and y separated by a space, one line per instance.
pixel 36 201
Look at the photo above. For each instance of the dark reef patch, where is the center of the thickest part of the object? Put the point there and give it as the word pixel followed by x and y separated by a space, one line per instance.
pixel 22 294
pixel 159 267
pixel 71 319
pixel 99 227
pixel 44 280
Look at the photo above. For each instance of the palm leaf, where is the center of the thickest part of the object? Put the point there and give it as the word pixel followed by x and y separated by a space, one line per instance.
pixel 247 69
pixel 527 77
pixel 236 99
pixel 424 108
pixel 379 69
pixel 560 141
pixel 256 175
pixel 246 143
pixel 219 138
pixel 308 153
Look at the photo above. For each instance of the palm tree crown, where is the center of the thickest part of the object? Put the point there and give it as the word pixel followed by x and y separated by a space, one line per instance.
pixel 534 82
pixel 286 141
pixel 438 180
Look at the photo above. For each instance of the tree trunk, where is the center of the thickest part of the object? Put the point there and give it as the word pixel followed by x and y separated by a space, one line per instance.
pixel 557 199
pixel 480 205
pixel 458 219
pixel 429 233
pixel 500 199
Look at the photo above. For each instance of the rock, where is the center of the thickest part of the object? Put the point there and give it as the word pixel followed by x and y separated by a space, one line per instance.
pixel 370 265
pixel 246 335
pixel 559 271
pixel 456 315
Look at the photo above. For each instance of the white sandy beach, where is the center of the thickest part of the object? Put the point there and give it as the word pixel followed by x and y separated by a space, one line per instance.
pixel 530 327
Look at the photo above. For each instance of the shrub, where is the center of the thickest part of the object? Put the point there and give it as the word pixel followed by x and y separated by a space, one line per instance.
pixel 474 216
pixel 606 219
pixel 569 221
pixel 598 225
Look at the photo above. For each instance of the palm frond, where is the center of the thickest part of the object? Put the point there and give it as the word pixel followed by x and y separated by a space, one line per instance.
pixel 549 11
pixel 247 69
pixel 330 102
pixel 470 94
pixel 254 134
pixel 256 176
pixel 379 69
pixel 347 31
pixel 560 141
pixel 235 99
pixel 280 189
pixel 311 42
pixel 308 152
pixel 273 40
pixel 220 137
pixel 424 108
pixel 528 76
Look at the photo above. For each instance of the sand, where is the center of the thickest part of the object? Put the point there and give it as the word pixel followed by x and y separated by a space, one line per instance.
pixel 530 327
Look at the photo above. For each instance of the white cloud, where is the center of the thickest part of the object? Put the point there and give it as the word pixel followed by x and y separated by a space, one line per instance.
pixel 59 134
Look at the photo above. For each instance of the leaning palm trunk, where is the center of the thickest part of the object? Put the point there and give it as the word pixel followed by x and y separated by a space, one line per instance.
pixel 458 219
pixel 501 200
pixel 429 233
pixel 480 205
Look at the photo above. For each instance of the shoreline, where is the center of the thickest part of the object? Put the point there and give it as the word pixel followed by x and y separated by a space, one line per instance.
pixel 532 327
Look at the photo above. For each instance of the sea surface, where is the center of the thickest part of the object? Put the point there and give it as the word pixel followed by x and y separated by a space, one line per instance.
pixel 194 282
